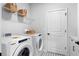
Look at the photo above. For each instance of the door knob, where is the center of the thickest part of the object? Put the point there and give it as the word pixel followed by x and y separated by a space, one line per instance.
pixel 48 33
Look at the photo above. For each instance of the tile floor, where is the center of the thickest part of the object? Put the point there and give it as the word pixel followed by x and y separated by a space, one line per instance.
pixel 48 53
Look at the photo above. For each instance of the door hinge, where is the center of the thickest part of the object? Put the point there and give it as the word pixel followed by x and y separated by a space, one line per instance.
pixel 65 14
pixel 73 48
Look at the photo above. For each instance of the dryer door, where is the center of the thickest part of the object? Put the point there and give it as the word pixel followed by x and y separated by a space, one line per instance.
pixel 24 50
pixel 39 44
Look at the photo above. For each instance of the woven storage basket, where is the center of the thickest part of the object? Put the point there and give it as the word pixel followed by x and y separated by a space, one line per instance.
pixel 11 7
pixel 22 12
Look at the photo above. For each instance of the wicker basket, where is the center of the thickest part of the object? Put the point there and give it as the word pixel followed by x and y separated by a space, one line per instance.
pixel 22 12
pixel 11 7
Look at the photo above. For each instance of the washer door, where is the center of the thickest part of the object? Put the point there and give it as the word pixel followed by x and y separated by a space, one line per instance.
pixel 24 50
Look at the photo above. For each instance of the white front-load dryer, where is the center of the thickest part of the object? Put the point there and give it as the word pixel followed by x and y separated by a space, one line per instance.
pixel 38 44
pixel 17 46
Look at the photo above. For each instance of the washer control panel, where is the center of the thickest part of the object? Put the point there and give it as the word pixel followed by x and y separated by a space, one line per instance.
pixel 20 41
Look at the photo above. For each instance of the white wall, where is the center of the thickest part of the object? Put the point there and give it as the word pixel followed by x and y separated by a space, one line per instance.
pixel 38 13
pixel 0 28
pixel 78 19
pixel 11 22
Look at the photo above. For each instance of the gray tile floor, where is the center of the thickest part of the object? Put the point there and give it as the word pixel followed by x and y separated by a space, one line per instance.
pixel 48 53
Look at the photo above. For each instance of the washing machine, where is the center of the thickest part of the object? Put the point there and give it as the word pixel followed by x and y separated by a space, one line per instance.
pixel 17 46
pixel 37 44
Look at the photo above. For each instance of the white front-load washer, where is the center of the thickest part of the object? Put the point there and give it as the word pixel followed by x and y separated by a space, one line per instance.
pixel 17 46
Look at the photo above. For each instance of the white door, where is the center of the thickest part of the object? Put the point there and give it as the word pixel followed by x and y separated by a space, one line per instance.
pixel 57 31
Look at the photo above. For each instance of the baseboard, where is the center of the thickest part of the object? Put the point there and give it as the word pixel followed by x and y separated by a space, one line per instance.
pixel 0 54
